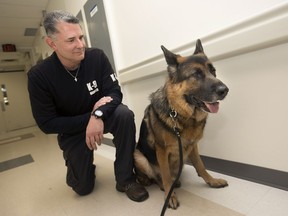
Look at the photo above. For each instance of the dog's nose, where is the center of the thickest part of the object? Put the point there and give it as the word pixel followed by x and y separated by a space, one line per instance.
pixel 222 91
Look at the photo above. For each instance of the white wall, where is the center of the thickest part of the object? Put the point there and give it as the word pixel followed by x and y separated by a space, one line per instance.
pixel 250 125
pixel 138 28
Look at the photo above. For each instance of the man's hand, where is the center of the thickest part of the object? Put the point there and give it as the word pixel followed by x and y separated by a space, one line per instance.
pixel 95 127
pixel 102 101
pixel 94 133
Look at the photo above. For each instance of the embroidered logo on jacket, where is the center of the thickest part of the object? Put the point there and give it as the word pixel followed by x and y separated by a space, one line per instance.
pixel 92 87
pixel 113 77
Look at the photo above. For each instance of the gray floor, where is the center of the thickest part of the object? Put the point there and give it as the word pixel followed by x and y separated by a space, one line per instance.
pixel 32 182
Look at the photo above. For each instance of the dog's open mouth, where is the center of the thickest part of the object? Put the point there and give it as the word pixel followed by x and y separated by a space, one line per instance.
pixel 211 107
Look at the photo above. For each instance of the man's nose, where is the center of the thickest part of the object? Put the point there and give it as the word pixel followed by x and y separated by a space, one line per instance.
pixel 80 43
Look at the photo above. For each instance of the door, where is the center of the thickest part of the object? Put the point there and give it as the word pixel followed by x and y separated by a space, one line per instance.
pixel 14 102
pixel 98 28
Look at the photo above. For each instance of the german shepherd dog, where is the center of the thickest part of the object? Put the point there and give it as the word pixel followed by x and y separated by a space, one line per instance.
pixel 189 94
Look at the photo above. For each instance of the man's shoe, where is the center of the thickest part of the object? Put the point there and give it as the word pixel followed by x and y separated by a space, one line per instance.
pixel 134 191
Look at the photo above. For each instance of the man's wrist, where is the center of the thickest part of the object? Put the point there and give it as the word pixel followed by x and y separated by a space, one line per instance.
pixel 98 114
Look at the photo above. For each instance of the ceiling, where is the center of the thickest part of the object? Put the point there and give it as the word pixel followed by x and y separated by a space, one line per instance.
pixel 16 18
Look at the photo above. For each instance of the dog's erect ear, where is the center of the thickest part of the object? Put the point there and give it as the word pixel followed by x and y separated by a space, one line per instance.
pixel 199 48
pixel 170 57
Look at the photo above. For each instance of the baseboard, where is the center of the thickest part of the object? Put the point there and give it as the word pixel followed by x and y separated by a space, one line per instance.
pixel 270 177
pixel 265 176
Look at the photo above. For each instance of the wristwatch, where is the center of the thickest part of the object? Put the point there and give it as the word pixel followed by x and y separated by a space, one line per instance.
pixel 98 114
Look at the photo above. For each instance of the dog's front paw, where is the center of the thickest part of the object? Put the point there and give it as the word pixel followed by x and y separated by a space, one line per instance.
pixel 145 181
pixel 173 201
pixel 217 183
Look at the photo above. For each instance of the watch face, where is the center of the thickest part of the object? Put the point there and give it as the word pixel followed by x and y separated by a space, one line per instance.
pixel 98 113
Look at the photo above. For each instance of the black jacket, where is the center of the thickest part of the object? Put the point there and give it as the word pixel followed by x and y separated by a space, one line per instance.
pixel 62 105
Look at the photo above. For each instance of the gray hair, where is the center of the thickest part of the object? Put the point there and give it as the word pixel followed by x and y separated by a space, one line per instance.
pixel 52 18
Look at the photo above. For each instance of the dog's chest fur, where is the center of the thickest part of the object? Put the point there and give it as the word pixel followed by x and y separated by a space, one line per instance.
pixel 191 129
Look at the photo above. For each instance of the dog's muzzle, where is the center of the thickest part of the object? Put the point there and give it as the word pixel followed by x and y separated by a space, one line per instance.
pixel 212 105
pixel 222 91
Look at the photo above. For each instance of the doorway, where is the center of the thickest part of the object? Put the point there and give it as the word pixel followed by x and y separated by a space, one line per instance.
pixel 15 109
pixel 98 27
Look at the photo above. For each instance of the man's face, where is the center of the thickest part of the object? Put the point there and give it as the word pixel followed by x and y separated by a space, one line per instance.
pixel 69 43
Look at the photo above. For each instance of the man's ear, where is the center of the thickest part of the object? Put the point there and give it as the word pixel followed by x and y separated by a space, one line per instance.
pixel 50 42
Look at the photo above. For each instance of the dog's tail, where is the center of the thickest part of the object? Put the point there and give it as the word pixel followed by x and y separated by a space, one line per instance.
pixel 143 165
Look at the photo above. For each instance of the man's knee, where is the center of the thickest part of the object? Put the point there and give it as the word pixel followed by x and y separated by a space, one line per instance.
pixel 84 189
pixel 123 112
pixel 83 185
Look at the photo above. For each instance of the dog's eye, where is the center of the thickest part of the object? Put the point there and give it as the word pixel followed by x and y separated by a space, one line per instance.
pixel 212 69
pixel 198 74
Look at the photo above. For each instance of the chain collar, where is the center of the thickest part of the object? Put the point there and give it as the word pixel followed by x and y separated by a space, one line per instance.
pixel 173 115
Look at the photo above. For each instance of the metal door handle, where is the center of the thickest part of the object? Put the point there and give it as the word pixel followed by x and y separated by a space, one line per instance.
pixel 5 96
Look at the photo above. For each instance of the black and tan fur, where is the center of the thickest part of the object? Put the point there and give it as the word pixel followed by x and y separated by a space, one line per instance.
pixel 191 90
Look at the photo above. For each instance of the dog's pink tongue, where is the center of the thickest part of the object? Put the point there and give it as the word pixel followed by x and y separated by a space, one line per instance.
pixel 213 107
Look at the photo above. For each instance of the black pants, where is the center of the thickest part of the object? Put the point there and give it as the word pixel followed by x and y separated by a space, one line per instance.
pixel 79 158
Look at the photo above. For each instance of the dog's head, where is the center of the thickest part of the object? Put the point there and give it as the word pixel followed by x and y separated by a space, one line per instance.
pixel 194 79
